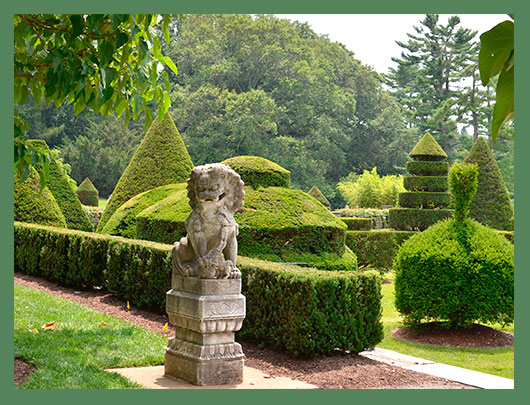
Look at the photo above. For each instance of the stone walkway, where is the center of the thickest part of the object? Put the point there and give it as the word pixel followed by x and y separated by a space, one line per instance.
pixel 153 377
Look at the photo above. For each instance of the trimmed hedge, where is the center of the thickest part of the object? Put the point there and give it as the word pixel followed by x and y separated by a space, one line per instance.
pixel 301 311
pixel 31 205
pixel 123 221
pixel 424 200
pixel 87 193
pixel 161 158
pixel 257 172
pixel 427 168
pixel 427 149
pixel 357 223
pixel 460 272
pixel 276 222
pixel 377 248
pixel 416 219
pixel 316 193
pixel 379 217
pixel 425 183
pixel 74 214
pixel 491 204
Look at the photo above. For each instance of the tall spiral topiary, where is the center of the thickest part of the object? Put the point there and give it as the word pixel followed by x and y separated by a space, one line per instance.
pixel 161 158
pixel 457 270
pixel 425 201
pixel 491 204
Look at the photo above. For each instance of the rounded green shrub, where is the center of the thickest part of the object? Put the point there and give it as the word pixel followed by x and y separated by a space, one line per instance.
pixel 276 223
pixel 458 270
pixel 425 183
pixel 87 193
pixel 427 168
pixel 257 172
pixel 491 204
pixel 123 221
pixel 33 206
pixel 161 158
pixel 460 273
pixel 416 219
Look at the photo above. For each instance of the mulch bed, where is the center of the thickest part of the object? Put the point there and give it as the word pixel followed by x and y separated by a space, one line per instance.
pixel 22 371
pixel 435 333
pixel 337 371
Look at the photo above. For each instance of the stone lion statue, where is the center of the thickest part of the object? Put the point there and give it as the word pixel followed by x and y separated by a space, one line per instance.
pixel 209 250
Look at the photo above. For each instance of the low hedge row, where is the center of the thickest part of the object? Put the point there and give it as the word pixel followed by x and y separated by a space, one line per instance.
pixel 354 224
pixel 377 248
pixel 379 217
pixel 424 199
pixel 303 311
pixel 425 183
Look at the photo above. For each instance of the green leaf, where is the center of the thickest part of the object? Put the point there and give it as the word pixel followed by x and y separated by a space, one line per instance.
pixel 170 64
pixel 121 39
pixel 496 46
pixel 503 110
pixel 106 50
pixel 77 25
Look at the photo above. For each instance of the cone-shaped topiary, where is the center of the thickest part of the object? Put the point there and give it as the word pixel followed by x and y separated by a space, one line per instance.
pixel 316 193
pixel 427 149
pixel 457 270
pixel 426 198
pixel 491 204
pixel 30 205
pixel 161 158
pixel 257 172
pixel 87 193
pixel 74 214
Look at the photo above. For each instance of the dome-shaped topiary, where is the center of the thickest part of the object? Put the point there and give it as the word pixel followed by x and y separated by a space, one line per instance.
pixel 316 193
pixel 491 204
pixel 87 193
pixel 257 172
pixel 457 270
pixel 161 158
pixel 31 205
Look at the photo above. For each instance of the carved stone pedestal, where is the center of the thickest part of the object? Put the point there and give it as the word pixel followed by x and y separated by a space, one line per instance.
pixel 206 313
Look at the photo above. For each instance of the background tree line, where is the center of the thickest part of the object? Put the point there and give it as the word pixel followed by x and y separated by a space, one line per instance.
pixel 269 87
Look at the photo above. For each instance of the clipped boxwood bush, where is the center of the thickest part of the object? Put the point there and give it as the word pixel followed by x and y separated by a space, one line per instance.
pixel 301 311
pixel 74 214
pixel 275 222
pixel 424 200
pixel 310 312
pixel 427 149
pixel 425 183
pixel 123 221
pixel 357 223
pixel 87 193
pixel 491 204
pixel 458 270
pixel 257 172
pixel 376 249
pixel 427 168
pixel 161 158
pixel 31 205
pixel 316 193
pixel 379 217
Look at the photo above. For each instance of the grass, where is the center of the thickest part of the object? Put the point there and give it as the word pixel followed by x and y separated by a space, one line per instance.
pixel 496 361
pixel 76 352
pixel 102 202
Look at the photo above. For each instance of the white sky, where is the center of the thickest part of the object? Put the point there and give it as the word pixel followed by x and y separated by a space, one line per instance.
pixel 372 36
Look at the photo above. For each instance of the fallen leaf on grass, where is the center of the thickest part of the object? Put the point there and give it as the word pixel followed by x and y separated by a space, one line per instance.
pixel 33 331
pixel 49 325
pixel 103 323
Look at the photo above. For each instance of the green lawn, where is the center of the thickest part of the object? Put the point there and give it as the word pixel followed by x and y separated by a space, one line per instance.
pixel 102 202
pixel 497 361
pixel 76 352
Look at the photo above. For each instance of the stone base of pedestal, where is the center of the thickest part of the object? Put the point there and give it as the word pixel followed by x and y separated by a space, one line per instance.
pixel 204 373
pixel 206 313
